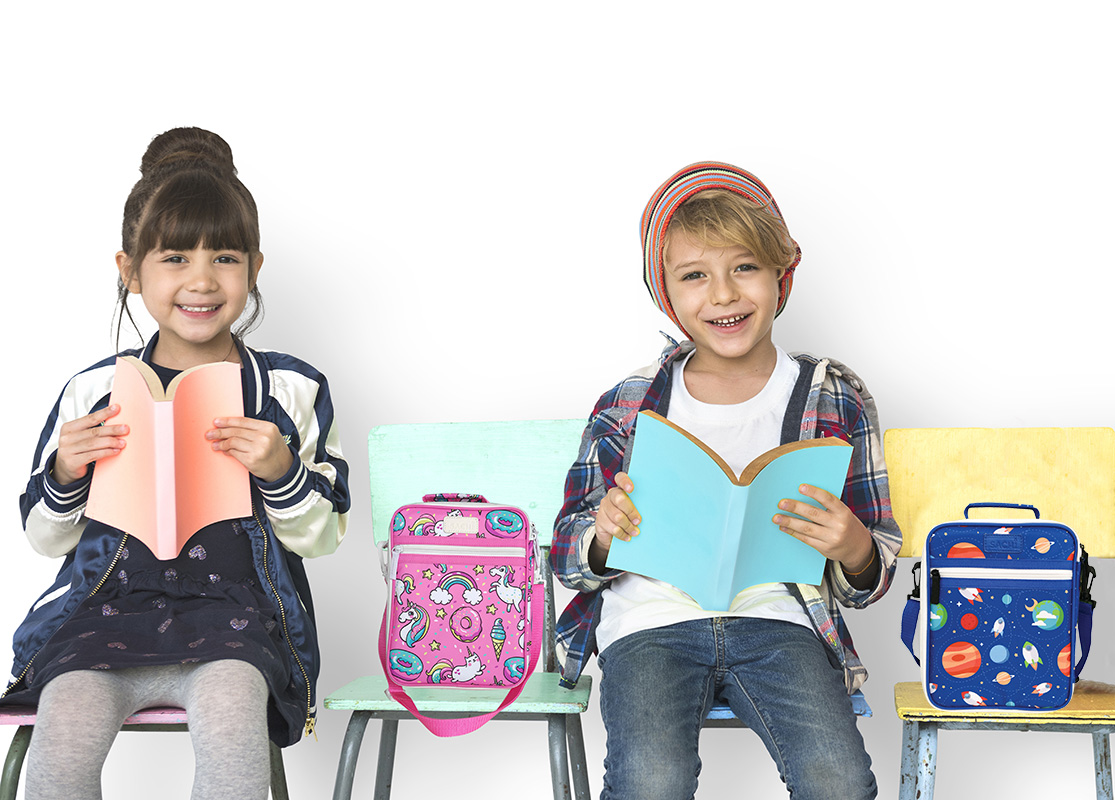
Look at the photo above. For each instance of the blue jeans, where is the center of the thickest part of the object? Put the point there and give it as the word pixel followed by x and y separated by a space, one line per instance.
pixel 779 678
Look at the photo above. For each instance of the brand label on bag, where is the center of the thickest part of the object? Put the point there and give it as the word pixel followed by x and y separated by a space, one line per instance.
pixel 1003 543
pixel 461 525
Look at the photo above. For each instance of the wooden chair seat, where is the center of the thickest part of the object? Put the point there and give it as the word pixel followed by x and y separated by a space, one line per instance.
pixel 149 719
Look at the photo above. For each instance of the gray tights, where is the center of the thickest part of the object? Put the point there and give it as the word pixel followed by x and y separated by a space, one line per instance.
pixel 81 712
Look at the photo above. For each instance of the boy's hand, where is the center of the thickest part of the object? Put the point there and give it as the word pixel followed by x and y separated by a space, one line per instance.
pixel 255 443
pixel 615 519
pixel 85 440
pixel 833 530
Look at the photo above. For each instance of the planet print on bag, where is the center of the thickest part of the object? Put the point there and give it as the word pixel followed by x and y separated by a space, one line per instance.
pixel 1048 615
pixel 965 550
pixel 938 616
pixel 1064 661
pixel 961 659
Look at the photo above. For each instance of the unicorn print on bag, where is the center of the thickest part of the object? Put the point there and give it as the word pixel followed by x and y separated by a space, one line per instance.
pixel 415 622
pixel 403 585
pixel 444 670
pixel 511 595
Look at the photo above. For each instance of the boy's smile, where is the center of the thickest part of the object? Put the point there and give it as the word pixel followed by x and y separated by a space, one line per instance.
pixel 726 301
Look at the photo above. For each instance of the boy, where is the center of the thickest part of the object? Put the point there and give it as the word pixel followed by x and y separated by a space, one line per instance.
pixel 719 261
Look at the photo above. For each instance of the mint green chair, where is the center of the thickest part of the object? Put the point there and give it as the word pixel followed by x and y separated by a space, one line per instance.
pixel 522 463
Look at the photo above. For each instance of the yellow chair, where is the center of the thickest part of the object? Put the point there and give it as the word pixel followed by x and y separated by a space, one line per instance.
pixel 1069 474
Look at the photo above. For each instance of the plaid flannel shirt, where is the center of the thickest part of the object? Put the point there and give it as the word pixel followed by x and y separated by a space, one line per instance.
pixel 828 400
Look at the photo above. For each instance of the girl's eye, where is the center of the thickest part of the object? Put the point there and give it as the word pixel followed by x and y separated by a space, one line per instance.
pixel 747 267
pixel 227 260
pixel 175 260
pixel 692 276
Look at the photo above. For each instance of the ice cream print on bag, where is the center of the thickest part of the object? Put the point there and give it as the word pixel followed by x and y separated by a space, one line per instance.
pixel 462 573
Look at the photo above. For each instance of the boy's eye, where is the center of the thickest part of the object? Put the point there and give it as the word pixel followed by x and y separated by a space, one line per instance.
pixel 747 267
pixel 692 276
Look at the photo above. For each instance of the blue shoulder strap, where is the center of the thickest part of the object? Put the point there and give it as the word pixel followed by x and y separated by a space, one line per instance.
pixel 910 614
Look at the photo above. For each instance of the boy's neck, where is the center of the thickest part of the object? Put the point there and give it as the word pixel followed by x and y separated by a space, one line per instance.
pixel 720 381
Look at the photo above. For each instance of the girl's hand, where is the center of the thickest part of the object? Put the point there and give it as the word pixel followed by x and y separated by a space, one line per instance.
pixel 255 443
pixel 833 530
pixel 615 519
pixel 85 440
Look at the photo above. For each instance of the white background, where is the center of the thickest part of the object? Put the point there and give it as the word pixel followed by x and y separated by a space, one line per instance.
pixel 450 195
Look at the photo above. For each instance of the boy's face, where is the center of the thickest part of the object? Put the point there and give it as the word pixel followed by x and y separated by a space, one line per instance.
pixel 725 299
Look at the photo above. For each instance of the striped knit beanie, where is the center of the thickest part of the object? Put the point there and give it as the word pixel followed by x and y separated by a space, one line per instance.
pixel 675 191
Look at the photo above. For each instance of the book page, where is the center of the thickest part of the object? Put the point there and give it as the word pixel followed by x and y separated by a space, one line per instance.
pixel 122 493
pixel 766 554
pixel 210 485
pixel 681 495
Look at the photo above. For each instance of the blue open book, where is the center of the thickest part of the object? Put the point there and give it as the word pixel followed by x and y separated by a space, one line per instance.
pixel 709 532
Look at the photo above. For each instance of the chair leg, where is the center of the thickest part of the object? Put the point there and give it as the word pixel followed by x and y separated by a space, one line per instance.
pixel 13 764
pixel 559 756
pixel 919 761
pixel 1101 749
pixel 278 774
pixel 350 751
pixel 577 763
pixel 385 768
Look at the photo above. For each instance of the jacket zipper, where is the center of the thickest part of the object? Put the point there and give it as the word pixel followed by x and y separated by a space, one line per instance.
pixel 97 588
pixel 310 721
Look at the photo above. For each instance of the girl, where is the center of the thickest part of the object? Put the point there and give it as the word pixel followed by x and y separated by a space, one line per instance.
pixel 226 629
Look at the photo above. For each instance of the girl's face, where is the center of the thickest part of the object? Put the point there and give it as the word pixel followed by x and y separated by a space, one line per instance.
pixel 195 296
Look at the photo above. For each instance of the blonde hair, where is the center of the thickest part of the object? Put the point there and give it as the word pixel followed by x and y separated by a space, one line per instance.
pixel 721 218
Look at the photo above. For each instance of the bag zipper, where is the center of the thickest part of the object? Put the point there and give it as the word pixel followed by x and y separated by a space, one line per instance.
pixel 97 588
pixel 991 573
pixel 310 721
pixel 1001 574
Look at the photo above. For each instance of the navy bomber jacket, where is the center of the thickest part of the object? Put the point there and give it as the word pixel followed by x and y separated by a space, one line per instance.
pixel 301 515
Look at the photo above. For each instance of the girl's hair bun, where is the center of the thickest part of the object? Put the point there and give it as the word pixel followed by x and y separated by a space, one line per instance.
pixel 187 148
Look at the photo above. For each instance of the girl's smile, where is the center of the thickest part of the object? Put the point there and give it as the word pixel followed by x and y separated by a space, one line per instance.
pixel 195 296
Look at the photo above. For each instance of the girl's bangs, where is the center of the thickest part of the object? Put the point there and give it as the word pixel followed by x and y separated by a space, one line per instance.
pixel 207 214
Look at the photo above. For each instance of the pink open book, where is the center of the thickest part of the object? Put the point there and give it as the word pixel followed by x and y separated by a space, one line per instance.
pixel 168 482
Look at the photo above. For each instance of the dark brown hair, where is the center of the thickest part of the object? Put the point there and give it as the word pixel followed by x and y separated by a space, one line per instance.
pixel 189 196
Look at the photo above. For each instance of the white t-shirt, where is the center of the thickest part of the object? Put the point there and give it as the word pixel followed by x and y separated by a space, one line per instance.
pixel 738 433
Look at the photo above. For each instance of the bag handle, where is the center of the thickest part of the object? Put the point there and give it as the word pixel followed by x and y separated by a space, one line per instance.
pixel 453 497
pixel 1037 514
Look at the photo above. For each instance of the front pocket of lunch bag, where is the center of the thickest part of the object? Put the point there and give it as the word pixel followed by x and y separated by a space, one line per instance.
pixel 1000 637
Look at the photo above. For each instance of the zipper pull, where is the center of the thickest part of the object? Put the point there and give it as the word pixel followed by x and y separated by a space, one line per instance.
pixel 311 727
pixel 935 586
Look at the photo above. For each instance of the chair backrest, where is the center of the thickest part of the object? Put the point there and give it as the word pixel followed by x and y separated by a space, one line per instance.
pixel 522 463
pixel 1068 473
